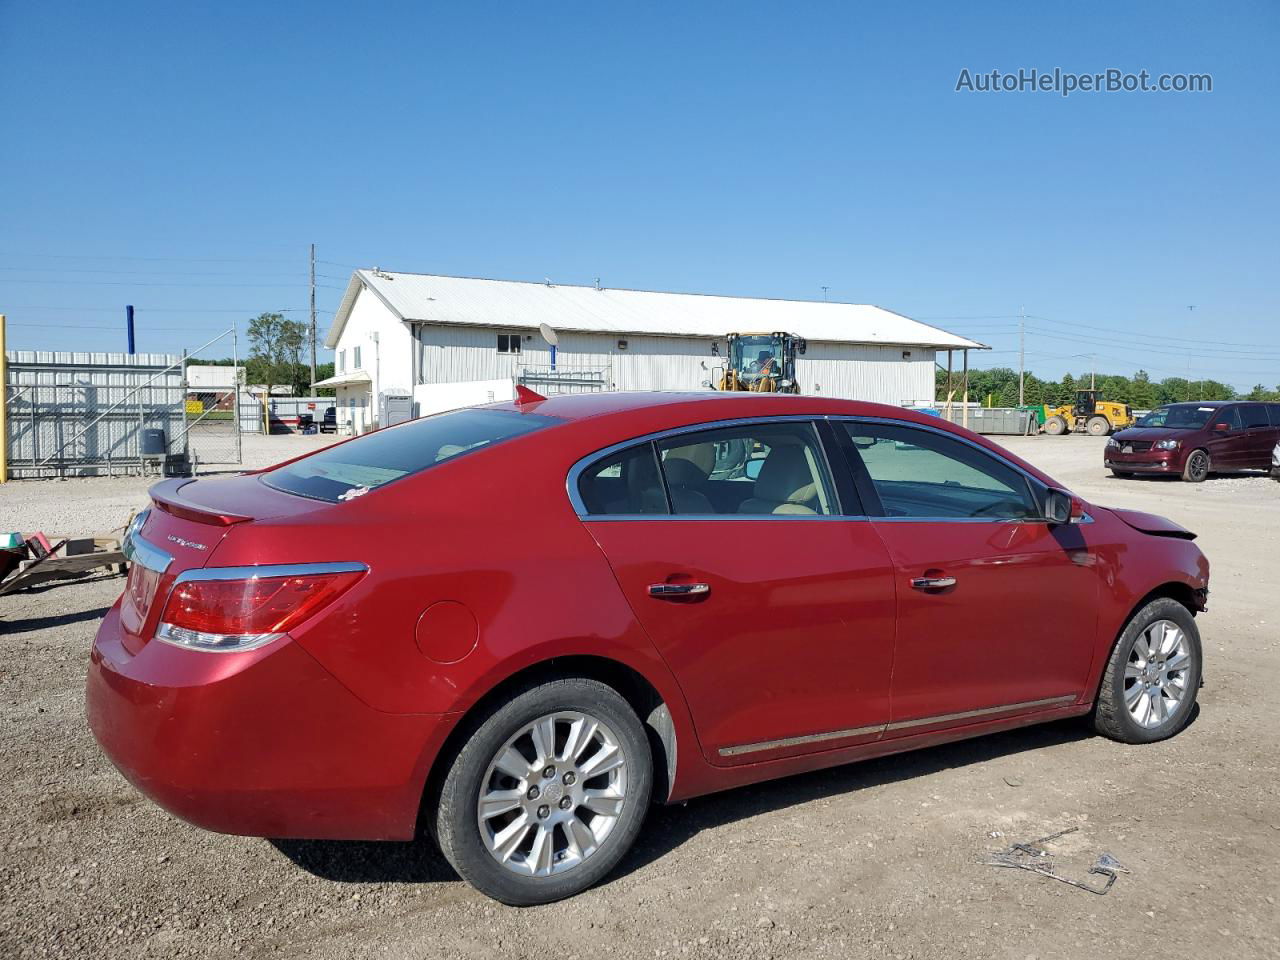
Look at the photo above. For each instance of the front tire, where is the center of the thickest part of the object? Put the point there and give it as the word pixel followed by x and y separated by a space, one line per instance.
pixel 1196 469
pixel 1055 426
pixel 1122 474
pixel 1099 426
pixel 547 794
pixel 1149 687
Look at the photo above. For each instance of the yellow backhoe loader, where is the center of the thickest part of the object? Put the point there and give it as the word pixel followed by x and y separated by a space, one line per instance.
pixel 761 362
pixel 1090 414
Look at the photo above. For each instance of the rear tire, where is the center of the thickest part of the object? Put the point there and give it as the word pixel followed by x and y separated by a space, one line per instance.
pixel 548 806
pixel 1099 426
pixel 1196 469
pixel 1055 426
pixel 1149 687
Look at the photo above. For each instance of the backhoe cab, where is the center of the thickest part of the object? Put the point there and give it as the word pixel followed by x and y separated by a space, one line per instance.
pixel 761 362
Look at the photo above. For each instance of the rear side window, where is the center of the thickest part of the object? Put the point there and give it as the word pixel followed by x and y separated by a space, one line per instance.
pixel 624 484
pixel 354 468
pixel 752 469
pixel 1254 415
pixel 922 474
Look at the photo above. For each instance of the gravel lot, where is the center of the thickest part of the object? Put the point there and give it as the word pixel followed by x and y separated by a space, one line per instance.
pixel 878 859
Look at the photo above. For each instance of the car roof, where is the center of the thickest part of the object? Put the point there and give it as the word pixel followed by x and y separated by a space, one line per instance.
pixel 718 405
pixel 1200 403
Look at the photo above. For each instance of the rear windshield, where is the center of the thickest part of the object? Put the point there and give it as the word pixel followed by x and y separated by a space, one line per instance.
pixel 1180 417
pixel 352 469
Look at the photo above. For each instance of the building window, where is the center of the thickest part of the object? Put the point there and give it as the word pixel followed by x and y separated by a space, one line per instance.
pixel 342 361
pixel 355 357
pixel 508 343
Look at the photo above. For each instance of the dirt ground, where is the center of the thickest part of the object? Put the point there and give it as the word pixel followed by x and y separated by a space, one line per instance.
pixel 880 859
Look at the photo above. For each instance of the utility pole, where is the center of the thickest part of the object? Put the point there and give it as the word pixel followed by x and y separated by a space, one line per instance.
pixel 1022 356
pixel 824 294
pixel 313 318
pixel 1093 371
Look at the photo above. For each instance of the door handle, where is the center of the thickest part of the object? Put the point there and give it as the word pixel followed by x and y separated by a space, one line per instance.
pixel 677 590
pixel 932 583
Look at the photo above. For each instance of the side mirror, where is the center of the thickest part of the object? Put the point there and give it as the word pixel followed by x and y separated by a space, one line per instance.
pixel 1061 507
pixel 1222 427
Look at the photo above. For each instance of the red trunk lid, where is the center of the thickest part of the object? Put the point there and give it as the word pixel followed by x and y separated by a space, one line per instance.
pixel 189 519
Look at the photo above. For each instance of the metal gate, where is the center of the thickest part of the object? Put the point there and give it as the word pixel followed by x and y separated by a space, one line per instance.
pixel 86 414
pixel 213 397
pixel 564 379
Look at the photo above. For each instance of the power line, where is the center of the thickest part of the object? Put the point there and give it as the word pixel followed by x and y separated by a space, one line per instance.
pixel 89 256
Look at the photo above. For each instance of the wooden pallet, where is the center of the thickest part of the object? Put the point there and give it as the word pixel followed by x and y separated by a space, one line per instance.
pixel 71 557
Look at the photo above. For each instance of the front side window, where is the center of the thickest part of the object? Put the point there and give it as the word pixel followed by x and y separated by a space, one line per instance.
pixel 761 468
pixel 1231 417
pixel 508 343
pixel 921 474
pixel 354 468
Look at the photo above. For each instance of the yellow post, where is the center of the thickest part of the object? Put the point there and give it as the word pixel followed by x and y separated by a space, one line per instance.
pixel 4 408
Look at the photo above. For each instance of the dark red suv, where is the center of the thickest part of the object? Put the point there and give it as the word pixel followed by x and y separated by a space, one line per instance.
pixel 1192 439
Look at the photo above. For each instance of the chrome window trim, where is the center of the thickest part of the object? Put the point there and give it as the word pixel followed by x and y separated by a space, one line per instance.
pixel 880 728
pixel 582 464
pixel 146 554
pixel 267 570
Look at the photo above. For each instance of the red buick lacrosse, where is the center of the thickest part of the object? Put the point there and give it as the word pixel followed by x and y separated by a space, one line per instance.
pixel 522 623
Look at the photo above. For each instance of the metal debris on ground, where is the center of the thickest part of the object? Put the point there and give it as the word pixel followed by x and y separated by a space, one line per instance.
pixel 1034 857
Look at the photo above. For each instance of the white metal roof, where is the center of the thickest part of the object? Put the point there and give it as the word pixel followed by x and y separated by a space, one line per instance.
pixel 521 305
pixel 344 379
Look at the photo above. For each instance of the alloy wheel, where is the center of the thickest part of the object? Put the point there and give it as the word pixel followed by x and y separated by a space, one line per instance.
pixel 552 794
pixel 1156 674
pixel 1198 468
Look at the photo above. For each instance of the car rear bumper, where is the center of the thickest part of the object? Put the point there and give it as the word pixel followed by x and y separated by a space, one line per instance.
pixel 263 743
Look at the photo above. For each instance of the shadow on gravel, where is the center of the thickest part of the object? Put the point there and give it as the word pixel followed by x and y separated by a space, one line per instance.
pixel 60 620
pixel 667 828
pixel 354 861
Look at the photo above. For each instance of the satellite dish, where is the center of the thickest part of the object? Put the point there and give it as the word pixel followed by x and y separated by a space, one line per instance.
pixel 548 334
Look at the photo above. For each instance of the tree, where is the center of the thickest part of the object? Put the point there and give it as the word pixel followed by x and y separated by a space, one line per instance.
pixel 275 350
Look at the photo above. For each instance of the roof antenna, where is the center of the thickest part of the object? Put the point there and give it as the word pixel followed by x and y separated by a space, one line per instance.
pixel 547 281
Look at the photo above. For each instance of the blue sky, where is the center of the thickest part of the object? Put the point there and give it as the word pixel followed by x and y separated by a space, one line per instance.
pixel 181 157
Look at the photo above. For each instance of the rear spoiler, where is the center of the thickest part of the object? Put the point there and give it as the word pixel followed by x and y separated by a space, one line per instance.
pixel 167 495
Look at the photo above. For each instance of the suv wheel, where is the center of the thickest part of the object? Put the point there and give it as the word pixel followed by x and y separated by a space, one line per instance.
pixel 1151 681
pixel 1196 468
pixel 547 794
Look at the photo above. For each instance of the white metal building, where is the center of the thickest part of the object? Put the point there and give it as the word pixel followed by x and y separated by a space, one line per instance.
pixel 394 332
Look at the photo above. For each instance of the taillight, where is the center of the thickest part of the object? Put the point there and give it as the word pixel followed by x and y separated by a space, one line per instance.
pixel 229 610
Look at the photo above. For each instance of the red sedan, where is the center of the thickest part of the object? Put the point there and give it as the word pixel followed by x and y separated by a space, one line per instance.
pixel 524 622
